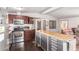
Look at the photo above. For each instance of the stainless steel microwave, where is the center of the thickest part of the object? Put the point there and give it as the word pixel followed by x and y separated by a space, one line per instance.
pixel 18 22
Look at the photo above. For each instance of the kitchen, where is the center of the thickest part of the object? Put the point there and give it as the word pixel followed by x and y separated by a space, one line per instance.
pixel 39 28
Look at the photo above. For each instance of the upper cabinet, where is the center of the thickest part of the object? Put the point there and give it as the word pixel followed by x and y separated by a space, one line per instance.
pixel 44 24
pixel 52 24
pixel 10 19
pixel 38 25
pixel 27 20
pixel 30 20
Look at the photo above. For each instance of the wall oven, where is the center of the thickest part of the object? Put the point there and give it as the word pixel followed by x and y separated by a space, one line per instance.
pixel 18 22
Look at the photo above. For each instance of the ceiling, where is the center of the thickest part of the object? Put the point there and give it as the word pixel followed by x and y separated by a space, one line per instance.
pixel 59 12
pixel 26 9
pixel 66 12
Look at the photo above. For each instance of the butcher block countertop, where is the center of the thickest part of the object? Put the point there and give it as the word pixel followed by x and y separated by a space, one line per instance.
pixel 57 35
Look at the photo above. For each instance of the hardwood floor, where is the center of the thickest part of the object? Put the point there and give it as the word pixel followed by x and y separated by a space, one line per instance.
pixel 25 46
pixel 28 46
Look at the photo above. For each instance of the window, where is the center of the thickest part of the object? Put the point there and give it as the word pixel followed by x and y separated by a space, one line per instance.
pixel 52 24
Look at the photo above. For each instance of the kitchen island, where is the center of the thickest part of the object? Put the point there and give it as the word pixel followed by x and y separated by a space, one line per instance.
pixel 53 41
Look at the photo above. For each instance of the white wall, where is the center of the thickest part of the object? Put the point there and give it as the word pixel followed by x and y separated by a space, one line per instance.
pixel 72 22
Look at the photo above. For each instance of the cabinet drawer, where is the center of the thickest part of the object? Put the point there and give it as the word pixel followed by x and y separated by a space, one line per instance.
pixel 52 48
pixel 55 48
pixel 53 42
pixel 52 39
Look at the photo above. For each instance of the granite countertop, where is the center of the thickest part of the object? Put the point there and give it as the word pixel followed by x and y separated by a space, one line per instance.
pixel 57 35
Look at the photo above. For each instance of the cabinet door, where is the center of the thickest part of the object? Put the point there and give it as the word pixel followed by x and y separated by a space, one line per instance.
pixel 38 25
pixel 44 42
pixel 44 24
pixel 60 45
pixel 30 21
pixel 26 20
pixel 29 35
pixel 38 40
pixel 10 19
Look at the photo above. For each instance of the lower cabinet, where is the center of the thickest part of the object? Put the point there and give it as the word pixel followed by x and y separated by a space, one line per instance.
pixel 38 40
pixel 55 44
pixel 48 43
pixel 60 45
pixel 29 35
pixel 44 42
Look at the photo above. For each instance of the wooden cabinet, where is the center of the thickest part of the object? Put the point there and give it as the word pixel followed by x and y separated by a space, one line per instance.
pixel 10 19
pixel 29 35
pixel 27 20
pixel 30 20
